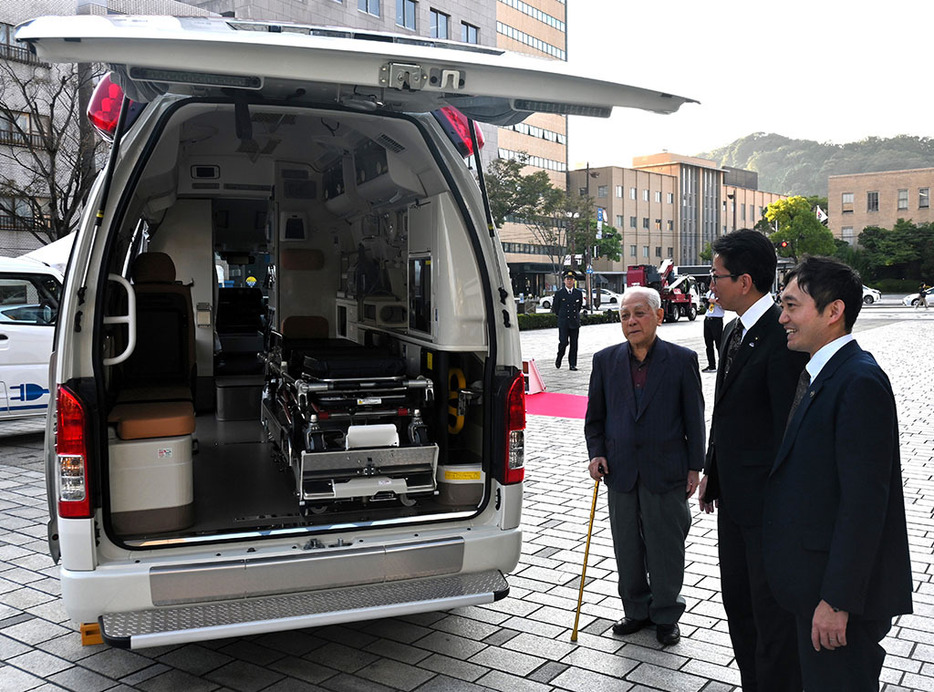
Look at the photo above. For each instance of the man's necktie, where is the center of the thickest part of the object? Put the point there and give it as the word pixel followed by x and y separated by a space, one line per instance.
pixel 736 338
pixel 804 381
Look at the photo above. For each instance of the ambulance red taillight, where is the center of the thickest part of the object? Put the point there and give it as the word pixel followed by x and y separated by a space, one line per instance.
pixel 457 127
pixel 74 498
pixel 514 471
pixel 104 108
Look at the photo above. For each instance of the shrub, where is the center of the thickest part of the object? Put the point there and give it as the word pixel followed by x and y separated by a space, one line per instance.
pixel 546 320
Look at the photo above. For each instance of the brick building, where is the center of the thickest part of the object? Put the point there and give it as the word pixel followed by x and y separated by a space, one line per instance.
pixel 878 199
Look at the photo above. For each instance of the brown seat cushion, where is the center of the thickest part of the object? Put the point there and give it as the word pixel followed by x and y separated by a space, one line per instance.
pixel 153 419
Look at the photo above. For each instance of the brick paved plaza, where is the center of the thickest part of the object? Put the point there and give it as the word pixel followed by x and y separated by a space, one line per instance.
pixel 521 643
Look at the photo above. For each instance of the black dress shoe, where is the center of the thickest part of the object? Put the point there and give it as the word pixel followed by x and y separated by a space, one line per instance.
pixel 573 367
pixel 629 625
pixel 558 362
pixel 668 635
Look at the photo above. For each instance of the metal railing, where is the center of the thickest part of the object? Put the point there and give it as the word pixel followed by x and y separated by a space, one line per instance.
pixel 19 54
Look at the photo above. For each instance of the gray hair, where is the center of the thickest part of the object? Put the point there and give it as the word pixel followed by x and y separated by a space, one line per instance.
pixel 650 294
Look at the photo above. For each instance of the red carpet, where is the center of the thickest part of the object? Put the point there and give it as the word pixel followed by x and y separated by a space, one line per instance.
pixel 555 404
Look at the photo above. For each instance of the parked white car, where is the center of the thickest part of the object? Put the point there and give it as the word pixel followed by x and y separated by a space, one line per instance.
pixel 30 293
pixel 871 295
pixel 912 300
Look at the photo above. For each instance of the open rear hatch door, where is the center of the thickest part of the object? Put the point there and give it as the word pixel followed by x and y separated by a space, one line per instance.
pixel 366 70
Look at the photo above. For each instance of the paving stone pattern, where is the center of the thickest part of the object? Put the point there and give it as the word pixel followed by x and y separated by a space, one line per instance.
pixel 519 644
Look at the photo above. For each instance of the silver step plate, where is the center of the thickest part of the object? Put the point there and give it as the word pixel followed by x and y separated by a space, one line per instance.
pixel 162 626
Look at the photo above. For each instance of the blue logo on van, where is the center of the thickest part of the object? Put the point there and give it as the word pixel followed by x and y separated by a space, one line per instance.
pixel 28 391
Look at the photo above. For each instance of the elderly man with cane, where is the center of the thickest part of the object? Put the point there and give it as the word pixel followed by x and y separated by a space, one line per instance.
pixel 645 438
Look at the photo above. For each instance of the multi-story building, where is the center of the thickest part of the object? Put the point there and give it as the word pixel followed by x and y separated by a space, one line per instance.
pixel 669 206
pixel 859 200
pixel 37 116
pixel 712 200
pixel 537 28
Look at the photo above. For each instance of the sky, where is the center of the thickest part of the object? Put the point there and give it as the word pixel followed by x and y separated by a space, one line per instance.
pixel 824 70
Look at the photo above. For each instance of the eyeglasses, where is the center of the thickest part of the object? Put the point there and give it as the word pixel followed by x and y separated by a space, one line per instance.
pixel 715 277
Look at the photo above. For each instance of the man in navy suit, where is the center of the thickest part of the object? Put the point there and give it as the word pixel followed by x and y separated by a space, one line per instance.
pixel 835 539
pixel 567 304
pixel 754 390
pixel 645 437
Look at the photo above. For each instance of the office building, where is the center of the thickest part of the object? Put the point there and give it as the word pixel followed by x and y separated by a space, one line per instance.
pixel 859 200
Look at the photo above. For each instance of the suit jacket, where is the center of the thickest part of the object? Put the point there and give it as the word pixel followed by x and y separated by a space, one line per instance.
pixel 835 516
pixel 657 441
pixel 751 406
pixel 567 306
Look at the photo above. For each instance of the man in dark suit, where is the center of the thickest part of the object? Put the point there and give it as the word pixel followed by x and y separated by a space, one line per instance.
pixel 645 437
pixel 836 544
pixel 567 304
pixel 754 390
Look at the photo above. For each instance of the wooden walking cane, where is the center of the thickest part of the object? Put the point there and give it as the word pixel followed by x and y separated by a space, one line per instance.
pixel 580 596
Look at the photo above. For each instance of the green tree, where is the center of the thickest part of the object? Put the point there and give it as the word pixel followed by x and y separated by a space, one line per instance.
pixel 799 232
pixel 707 253
pixel 514 194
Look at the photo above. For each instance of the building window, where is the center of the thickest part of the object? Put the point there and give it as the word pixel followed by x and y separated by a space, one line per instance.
pixel 847 234
pixel 645 222
pixel 743 211
pixel 645 250
pixel 440 24
pixel 527 39
pixel 526 8
pixel 902 199
pixel 671 224
pixel 369 6
pixel 872 201
pixel 469 33
pixel 658 250
pixel 536 161
pixel 619 220
pixel 601 190
pixel 658 224
pixel 924 198
pixel 632 250
pixel 671 198
pixel 671 253
pixel 752 212
pixel 405 13
pixel 658 196
pixel 538 132
pixel 24 129
pixel 619 191
pixel 645 195
pixel 632 193
pixel 846 200
pixel 10 50
pixel 632 221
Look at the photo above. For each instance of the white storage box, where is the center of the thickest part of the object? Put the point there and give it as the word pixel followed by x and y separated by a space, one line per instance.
pixel 151 484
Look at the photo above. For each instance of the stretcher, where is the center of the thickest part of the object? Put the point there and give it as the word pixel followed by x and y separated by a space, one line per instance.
pixel 349 423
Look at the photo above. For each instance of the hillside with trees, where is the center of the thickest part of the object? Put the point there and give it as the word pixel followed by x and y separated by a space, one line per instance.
pixel 800 167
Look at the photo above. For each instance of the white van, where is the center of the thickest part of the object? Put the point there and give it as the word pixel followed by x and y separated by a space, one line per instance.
pixel 336 433
pixel 30 293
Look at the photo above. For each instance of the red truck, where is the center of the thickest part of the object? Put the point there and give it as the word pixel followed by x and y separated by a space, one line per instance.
pixel 680 295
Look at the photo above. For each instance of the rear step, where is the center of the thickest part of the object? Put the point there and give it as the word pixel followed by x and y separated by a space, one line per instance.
pixel 177 625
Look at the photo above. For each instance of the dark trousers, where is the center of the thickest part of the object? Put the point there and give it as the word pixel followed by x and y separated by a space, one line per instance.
pixel 568 335
pixel 649 531
pixel 763 634
pixel 855 667
pixel 713 333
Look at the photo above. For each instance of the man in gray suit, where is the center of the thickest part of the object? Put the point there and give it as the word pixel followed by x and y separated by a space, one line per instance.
pixel 645 438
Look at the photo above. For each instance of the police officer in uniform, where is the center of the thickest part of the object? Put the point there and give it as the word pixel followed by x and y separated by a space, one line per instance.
pixel 567 305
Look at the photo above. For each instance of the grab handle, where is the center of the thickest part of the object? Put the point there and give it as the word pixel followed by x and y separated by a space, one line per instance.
pixel 129 319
